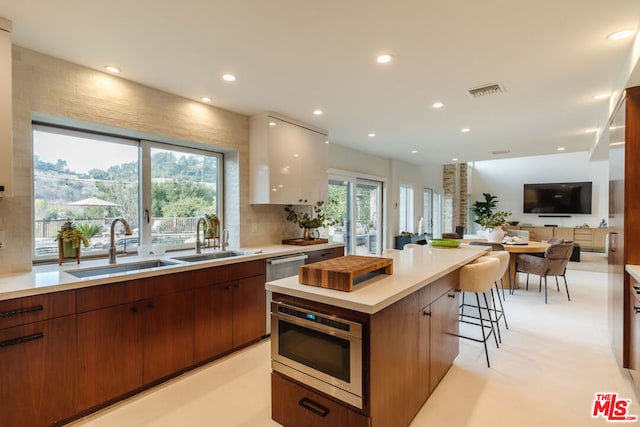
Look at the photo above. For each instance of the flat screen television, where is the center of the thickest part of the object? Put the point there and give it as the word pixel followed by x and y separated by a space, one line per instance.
pixel 558 198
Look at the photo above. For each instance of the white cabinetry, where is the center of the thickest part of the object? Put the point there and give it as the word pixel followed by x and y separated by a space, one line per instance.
pixel 288 162
pixel 6 144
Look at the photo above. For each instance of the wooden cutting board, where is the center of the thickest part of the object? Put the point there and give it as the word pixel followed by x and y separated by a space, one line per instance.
pixel 339 273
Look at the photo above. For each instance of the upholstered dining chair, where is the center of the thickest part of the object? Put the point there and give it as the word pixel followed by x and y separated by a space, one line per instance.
pixel 553 263
pixel 451 236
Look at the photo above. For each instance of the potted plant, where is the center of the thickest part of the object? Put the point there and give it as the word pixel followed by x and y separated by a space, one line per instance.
pixel 70 237
pixel 308 222
pixel 490 220
pixel 210 233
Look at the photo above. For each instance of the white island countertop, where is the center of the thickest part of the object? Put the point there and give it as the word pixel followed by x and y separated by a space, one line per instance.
pixel 412 270
pixel 634 271
pixel 53 278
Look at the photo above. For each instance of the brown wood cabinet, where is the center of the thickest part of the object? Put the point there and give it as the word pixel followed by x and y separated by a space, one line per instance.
pixel 324 254
pixel 588 238
pixel 38 360
pixel 37 372
pixel 624 221
pixel 230 314
pixel 443 336
pixel 634 332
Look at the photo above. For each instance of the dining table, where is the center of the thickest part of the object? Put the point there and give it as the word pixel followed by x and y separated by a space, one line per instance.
pixel 526 247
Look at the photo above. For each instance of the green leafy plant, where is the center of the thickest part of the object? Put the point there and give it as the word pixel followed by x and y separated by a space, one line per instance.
pixel 69 232
pixel 484 212
pixel 304 220
pixel 214 221
pixel 89 229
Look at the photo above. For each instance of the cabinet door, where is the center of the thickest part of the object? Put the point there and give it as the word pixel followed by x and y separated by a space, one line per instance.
pixel 424 341
pixel 544 233
pixel 314 166
pixel 564 233
pixel 599 238
pixel 285 162
pixel 37 372
pixel 634 333
pixel 249 310
pixel 168 334
pixel 444 336
pixel 110 353
pixel 213 310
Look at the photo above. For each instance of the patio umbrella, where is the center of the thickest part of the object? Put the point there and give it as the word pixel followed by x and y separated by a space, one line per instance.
pixel 93 201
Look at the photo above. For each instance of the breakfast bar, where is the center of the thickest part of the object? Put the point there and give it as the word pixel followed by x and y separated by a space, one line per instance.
pixel 372 356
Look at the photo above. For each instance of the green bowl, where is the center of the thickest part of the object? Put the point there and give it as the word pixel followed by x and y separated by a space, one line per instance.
pixel 444 243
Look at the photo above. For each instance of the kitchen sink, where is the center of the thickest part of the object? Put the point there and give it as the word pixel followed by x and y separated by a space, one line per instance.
pixel 121 268
pixel 208 256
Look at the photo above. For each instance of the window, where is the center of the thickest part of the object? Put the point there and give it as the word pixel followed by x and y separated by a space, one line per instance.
pixel 159 189
pixel 405 208
pixel 427 210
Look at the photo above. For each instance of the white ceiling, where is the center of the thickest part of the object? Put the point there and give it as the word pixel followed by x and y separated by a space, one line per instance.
pixel 293 56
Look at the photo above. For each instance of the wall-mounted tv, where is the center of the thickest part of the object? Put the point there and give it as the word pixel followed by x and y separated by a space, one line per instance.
pixel 558 198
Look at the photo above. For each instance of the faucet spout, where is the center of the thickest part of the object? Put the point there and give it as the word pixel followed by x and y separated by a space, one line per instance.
pixel 112 243
pixel 209 225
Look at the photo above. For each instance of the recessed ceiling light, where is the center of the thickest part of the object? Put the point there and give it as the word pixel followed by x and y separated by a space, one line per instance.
pixel 371 135
pixel 465 130
pixel 619 35
pixel 205 99
pixel 112 69
pixel 437 105
pixel 601 96
pixel 414 151
pixel 560 148
pixel 455 159
pixel 383 59
pixel 229 77
pixel 317 112
pixel 272 123
pixel 326 142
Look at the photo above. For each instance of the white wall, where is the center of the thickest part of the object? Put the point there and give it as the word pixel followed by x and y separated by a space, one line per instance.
pixel 505 179
pixel 394 172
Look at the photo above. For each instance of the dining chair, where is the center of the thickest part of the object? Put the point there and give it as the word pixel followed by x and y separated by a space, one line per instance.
pixel 553 263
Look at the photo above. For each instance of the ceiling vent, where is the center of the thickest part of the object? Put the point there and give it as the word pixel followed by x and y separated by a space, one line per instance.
pixel 490 89
pixel 497 152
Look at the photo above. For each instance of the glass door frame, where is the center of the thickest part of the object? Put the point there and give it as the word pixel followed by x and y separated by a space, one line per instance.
pixel 354 179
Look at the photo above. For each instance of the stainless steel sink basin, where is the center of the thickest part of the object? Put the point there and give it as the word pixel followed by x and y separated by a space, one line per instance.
pixel 208 256
pixel 121 268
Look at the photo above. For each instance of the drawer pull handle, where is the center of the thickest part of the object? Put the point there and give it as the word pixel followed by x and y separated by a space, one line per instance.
pixel 636 309
pixel 426 313
pixel 21 340
pixel 21 311
pixel 313 407
pixel 636 289
pixel 451 295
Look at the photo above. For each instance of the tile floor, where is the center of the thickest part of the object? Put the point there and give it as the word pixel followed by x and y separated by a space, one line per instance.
pixel 553 359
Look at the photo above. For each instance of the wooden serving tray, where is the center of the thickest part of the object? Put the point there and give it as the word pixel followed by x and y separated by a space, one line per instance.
pixel 302 242
pixel 339 273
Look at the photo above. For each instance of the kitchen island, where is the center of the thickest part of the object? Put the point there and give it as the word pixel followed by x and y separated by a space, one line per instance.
pixel 409 327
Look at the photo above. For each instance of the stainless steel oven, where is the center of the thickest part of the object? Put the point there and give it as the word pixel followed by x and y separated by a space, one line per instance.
pixel 319 350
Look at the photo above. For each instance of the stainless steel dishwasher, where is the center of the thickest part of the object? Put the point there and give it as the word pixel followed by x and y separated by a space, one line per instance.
pixel 279 268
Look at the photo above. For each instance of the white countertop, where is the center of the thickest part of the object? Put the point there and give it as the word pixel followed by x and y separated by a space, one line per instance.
pixel 412 270
pixel 634 271
pixel 52 277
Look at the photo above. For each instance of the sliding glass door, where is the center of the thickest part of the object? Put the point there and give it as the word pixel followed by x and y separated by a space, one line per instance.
pixel 356 206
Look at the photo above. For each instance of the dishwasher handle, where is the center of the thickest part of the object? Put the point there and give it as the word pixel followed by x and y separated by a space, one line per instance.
pixel 276 261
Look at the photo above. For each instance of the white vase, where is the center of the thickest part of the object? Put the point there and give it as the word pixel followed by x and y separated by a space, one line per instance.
pixel 495 234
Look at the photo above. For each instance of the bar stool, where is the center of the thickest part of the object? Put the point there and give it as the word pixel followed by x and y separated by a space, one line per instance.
pixel 503 257
pixel 479 277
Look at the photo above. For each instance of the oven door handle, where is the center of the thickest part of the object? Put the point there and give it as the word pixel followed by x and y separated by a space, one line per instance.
pixel 311 325
pixel 283 260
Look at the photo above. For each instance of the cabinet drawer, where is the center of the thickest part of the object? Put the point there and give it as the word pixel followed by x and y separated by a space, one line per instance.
pixel 293 405
pixel 248 269
pixel 21 311
pixel 324 254
pixel 102 296
pixel 444 285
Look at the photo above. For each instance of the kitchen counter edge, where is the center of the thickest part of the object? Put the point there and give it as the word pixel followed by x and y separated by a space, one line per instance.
pixel 44 279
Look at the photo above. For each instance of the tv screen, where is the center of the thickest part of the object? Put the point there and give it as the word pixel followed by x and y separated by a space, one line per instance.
pixel 558 198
